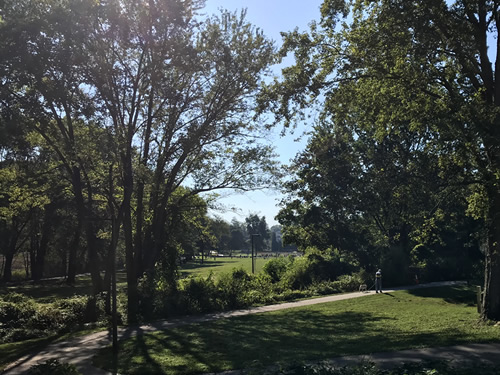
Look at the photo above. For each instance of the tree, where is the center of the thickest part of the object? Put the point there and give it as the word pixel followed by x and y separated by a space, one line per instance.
pixel 376 201
pixel 137 99
pixel 238 236
pixel 276 243
pixel 221 230
pixel 43 90
pixel 423 65
pixel 21 196
pixel 257 227
pixel 183 92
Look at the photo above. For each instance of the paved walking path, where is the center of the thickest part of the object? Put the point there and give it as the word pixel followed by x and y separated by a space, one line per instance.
pixel 80 350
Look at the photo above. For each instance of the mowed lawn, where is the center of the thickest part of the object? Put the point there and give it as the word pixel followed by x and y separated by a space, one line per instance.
pixel 219 265
pixel 376 323
pixel 49 290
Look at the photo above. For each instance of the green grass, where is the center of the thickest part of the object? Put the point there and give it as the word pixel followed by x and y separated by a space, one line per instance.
pixel 219 265
pixel 387 322
pixel 49 290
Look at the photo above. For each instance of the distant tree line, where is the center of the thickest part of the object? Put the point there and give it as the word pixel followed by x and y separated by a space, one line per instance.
pixel 238 235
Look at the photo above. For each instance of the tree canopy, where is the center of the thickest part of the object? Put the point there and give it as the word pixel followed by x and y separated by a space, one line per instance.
pixel 389 68
pixel 142 105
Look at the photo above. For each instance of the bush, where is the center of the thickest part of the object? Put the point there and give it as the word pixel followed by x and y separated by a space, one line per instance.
pixel 348 283
pixel 21 318
pixel 299 274
pixel 199 294
pixel 315 267
pixel 282 279
pixel 232 289
pixel 276 268
pixel 325 287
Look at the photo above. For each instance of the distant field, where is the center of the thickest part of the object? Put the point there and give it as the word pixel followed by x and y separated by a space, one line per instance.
pixel 220 265
pixel 49 290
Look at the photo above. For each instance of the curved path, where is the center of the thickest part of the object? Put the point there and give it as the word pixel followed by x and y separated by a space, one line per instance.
pixel 80 350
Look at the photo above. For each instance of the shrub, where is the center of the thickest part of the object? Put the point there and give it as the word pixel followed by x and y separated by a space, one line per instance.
pixel 314 267
pixel 276 268
pixel 232 289
pixel 298 275
pixel 199 294
pixel 290 295
pixel 22 318
pixel 325 287
pixel 367 368
pixel 348 283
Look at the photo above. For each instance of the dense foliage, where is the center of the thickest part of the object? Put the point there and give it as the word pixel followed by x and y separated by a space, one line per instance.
pixel 22 318
pixel 114 117
pixel 408 137
pixel 282 279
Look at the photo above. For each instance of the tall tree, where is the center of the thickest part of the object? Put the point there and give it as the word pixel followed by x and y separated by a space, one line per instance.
pixel 418 64
pixel 257 227
pixel 222 232
pixel 43 89
pixel 177 95
pixel 171 96
pixel 238 236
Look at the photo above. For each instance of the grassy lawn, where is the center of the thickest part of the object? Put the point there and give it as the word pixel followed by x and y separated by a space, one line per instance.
pixel 220 265
pixel 392 321
pixel 49 290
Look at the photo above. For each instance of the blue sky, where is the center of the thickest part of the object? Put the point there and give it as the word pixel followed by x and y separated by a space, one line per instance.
pixel 272 16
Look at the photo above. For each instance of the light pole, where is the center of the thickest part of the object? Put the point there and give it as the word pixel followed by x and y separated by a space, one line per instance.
pixel 253 262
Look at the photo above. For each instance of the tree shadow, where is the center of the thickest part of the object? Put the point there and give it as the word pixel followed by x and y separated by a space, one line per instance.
pixel 258 340
pixel 458 294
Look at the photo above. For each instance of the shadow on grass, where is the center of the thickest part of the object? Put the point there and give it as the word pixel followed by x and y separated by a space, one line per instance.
pixel 461 294
pixel 12 351
pixel 256 340
pixel 47 291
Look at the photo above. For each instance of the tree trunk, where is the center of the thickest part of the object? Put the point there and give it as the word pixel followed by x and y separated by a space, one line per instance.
pixel 9 256
pixel 491 299
pixel 38 261
pixel 94 263
pixel 7 273
pixel 139 213
pixel 132 294
pixel 73 248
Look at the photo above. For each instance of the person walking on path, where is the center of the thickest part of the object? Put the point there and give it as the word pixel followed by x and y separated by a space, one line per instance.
pixel 378 281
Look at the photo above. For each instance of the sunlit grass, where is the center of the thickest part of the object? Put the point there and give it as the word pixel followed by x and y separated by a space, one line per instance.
pixel 377 323
pixel 219 265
